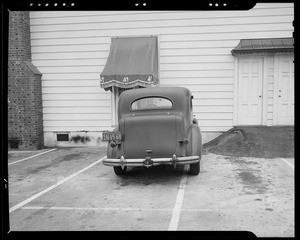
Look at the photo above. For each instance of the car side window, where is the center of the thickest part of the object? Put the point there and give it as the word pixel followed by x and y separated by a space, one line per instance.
pixel 151 103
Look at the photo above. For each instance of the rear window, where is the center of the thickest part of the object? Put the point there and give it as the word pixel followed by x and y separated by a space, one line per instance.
pixel 151 103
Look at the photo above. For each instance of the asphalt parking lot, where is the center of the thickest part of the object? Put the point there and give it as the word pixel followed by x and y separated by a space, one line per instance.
pixel 70 189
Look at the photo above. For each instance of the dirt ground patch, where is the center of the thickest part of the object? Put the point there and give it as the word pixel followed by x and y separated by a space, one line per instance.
pixel 254 141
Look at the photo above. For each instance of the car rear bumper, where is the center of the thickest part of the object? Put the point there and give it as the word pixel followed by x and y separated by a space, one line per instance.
pixel 148 161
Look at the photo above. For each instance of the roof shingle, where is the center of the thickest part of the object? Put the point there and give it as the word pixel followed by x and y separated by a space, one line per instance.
pixel 264 45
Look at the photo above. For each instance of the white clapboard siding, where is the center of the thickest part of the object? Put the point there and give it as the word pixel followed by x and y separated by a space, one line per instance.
pixel 72 76
pixel 199 110
pixel 205 23
pixel 164 51
pixel 71 48
pixel 212 37
pixel 197 44
pixel 215 122
pixel 88 17
pixel 73 69
pixel 200 84
pixel 70 55
pixel 196 51
pixel 72 83
pixel 105 125
pixel 203 88
pixel 69 41
pixel 76 116
pixel 195 59
pixel 212 95
pixel 69 62
pixel 163 30
pixel 198 73
pixel 195 66
pixel 242 34
pixel 199 80
pixel 82 110
pixel 169 61
pixel 219 129
pixel 78 103
pixel 80 124
pixel 216 115
pixel 75 90
pixel 214 102
pixel 74 96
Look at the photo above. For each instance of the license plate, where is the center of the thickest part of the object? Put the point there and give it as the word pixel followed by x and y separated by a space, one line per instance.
pixel 111 136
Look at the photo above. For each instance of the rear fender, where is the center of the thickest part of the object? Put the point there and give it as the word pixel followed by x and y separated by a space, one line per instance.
pixel 111 152
pixel 195 141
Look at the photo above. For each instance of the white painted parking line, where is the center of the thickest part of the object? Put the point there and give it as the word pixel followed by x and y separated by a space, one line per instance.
pixel 287 162
pixel 97 208
pixel 53 186
pixel 137 209
pixel 39 154
pixel 179 200
pixel 19 151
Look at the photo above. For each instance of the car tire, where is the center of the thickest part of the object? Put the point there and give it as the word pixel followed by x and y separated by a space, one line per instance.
pixel 195 168
pixel 119 171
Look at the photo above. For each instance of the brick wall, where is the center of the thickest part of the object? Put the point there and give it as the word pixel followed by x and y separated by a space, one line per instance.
pixel 25 119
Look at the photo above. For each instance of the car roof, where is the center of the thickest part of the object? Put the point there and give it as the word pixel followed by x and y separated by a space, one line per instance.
pixel 180 96
pixel 169 92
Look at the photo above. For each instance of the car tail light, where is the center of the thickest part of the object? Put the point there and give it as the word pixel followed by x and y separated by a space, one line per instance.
pixel 113 144
pixel 185 141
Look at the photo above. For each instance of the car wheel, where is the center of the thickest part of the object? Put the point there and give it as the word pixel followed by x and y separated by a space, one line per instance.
pixel 195 168
pixel 119 170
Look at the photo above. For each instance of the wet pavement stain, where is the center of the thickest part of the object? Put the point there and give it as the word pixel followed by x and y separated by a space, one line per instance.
pixel 269 209
pixel 70 157
pixel 103 174
pixel 241 161
pixel 39 169
pixel 55 162
pixel 249 178
pixel 253 184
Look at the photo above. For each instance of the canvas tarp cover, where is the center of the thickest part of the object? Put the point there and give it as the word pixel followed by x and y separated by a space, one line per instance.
pixel 132 62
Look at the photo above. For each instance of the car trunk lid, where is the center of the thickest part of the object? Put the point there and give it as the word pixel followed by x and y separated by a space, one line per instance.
pixel 146 135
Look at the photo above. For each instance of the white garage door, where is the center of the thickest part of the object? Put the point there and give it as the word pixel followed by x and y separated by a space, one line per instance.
pixel 250 91
pixel 285 90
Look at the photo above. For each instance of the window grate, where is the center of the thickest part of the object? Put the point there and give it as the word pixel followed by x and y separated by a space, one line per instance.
pixel 62 137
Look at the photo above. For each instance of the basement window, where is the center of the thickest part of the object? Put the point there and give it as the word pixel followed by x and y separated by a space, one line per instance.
pixel 62 137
